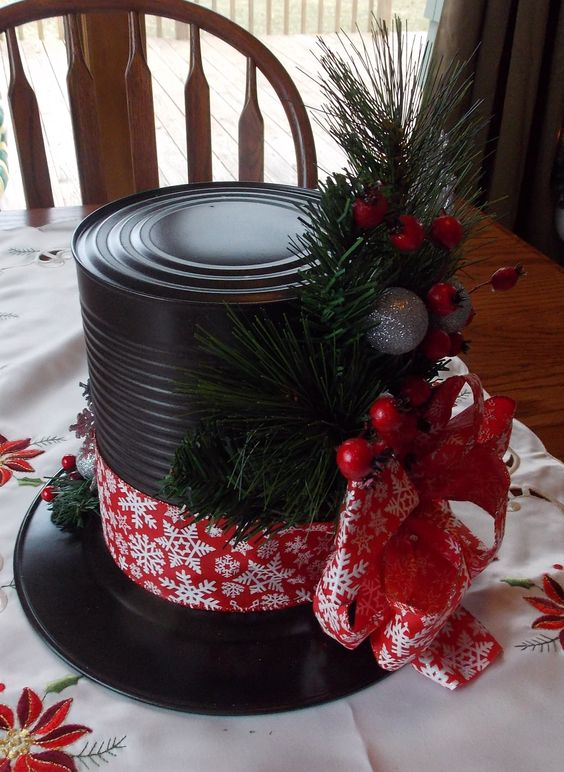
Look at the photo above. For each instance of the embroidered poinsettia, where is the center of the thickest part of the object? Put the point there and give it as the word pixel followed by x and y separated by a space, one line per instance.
pixel 551 606
pixel 13 458
pixel 44 729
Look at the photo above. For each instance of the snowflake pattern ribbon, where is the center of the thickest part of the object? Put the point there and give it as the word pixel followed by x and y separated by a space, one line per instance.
pixel 194 564
pixel 402 561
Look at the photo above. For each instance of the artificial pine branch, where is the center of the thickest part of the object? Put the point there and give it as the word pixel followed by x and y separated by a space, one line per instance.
pixel 275 401
pixel 75 501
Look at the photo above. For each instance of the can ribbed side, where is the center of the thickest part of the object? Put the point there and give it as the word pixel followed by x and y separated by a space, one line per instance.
pixel 140 416
pixel 154 267
pixel 139 350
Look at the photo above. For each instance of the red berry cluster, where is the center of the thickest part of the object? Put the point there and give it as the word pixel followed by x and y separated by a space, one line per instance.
pixel 393 426
pixel 444 299
pixel 68 463
pixel 407 233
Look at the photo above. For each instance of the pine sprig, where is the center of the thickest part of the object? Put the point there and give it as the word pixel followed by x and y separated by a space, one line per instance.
pixel 275 401
pixel 392 115
pixel 74 503
pixel 96 752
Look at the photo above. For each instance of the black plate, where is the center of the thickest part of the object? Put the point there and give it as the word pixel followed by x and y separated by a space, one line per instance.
pixel 124 638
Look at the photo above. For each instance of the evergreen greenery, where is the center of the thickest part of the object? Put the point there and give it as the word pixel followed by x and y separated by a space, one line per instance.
pixel 75 502
pixel 275 401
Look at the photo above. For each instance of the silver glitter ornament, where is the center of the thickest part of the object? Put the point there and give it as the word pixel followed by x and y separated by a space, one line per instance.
pixel 86 461
pixel 455 321
pixel 398 323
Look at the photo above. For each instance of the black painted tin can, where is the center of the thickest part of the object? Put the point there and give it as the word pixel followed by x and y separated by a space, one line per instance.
pixel 152 268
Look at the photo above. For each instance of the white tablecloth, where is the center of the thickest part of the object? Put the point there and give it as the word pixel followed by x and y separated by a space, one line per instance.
pixel 510 718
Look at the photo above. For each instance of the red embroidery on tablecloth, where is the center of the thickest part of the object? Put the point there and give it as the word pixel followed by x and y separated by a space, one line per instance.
pixel 551 606
pixel 31 737
pixel 13 457
pixel 36 727
pixel 194 564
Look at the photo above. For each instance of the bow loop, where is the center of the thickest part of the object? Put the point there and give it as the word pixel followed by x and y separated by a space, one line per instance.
pixel 349 599
pixel 402 560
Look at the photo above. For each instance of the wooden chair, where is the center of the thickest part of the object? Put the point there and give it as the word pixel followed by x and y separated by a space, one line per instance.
pixel 138 89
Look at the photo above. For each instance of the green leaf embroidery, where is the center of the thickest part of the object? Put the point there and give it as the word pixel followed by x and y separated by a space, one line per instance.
pixel 56 687
pixel 96 751
pixel 51 440
pixel 525 583
pixel 31 481
pixel 541 643
pixel 22 250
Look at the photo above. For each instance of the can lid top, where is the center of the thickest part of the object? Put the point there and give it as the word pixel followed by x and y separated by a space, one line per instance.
pixel 212 242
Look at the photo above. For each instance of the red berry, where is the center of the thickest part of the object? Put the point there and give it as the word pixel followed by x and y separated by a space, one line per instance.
pixel 456 343
pixel 75 476
pixel 48 493
pixel 379 446
pixel 442 299
pixel 354 458
pixel 370 209
pixel 447 231
pixel 436 344
pixel 68 463
pixel 415 390
pixel 506 278
pixel 408 234
pixel 385 415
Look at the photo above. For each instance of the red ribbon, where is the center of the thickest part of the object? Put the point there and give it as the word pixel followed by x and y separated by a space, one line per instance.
pixel 402 561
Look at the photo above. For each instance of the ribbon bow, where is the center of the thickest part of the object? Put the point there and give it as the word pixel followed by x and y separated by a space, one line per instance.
pixel 402 561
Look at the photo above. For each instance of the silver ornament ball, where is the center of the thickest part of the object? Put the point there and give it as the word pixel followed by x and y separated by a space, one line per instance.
pixel 398 323
pixel 86 462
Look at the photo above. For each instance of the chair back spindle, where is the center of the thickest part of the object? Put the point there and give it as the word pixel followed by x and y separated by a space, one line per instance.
pixel 27 131
pixel 198 114
pixel 84 116
pixel 140 110
pixel 137 124
pixel 251 131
